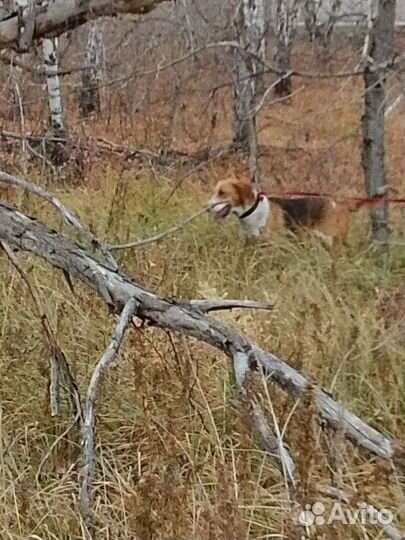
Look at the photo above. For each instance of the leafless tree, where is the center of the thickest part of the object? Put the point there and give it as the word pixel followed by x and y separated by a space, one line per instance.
pixel 94 61
pixel 310 12
pixel 51 62
pixel 329 25
pixel 250 30
pixel 285 24
pixel 377 57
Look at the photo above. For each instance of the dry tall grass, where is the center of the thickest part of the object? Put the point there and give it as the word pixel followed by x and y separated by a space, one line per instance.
pixel 174 459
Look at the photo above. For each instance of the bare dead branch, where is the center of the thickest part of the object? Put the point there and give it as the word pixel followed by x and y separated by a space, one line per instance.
pixel 39 70
pixel 67 214
pixel 205 306
pixel 160 236
pixel 27 234
pixel 63 15
pixel 393 106
pixel 88 423
pixel 273 444
pixel 54 386
pixel 266 67
pixel 57 358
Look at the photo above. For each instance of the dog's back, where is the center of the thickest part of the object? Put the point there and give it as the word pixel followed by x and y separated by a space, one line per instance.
pixel 301 212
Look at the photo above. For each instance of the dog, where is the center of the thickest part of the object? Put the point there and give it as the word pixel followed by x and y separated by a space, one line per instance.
pixel 321 216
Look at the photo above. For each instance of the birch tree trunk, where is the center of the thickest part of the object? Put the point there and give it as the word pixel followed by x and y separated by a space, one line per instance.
pixel 379 53
pixel 250 29
pixel 90 94
pixel 285 18
pixel 254 18
pixel 50 53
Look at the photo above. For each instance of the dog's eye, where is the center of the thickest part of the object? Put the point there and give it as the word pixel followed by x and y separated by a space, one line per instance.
pixel 221 193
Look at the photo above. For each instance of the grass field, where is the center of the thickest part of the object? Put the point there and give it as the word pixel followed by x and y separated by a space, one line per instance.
pixel 175 460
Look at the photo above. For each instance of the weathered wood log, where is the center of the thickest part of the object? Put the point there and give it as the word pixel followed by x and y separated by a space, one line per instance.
pixel 63 15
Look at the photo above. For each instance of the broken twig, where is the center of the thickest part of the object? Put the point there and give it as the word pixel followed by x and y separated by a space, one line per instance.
pixel 160 236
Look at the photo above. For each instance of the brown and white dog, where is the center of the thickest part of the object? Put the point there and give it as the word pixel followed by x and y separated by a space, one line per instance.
pixel 323 217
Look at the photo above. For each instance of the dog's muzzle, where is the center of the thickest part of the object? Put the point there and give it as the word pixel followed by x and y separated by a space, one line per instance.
pixel 219 209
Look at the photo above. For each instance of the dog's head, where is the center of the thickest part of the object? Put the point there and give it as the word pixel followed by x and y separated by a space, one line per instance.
pixel 230 195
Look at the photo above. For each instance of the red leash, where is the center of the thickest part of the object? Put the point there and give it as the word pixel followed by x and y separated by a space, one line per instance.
pixel 355 198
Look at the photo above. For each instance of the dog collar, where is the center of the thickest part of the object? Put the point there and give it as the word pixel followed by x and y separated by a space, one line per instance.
pixel 250 211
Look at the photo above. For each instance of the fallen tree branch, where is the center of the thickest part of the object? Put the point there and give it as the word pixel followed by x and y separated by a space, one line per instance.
pixel 27 234
pixel 273 444
pixel 88 423
pixel 67 214
pixel 63 15
pixel 205 306
pixel 160 236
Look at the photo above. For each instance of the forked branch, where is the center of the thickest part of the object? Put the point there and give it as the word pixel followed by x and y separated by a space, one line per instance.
pixel 88 422
pixel 160 236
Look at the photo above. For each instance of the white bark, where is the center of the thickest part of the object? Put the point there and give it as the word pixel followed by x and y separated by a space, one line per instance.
pixel 64 15
pixel 51 64
pixel 87 430
pixel 254 17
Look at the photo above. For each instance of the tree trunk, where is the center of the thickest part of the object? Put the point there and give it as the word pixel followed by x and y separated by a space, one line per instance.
pixel 243 102
pixel 310 11
pixel 285 18
pixel 58 155
pixel 380 51
pixel 250 28
pixel 50 52
pixel 282 58
pixel 254 18
pixel 90 94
